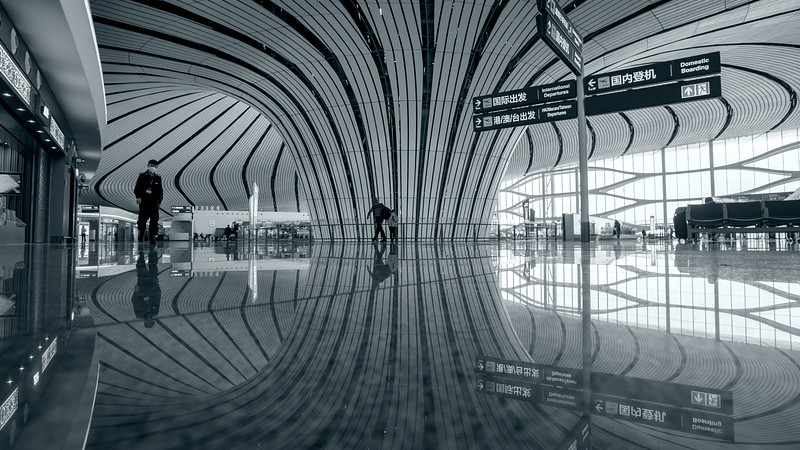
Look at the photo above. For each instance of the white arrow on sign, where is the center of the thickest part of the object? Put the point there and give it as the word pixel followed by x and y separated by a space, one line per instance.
pixel 688 91
pixel 699 398
pixel 478 122
pixel 598 406
pixel 480 365
pixel 592 84
pixel 480 385
pixel 478 104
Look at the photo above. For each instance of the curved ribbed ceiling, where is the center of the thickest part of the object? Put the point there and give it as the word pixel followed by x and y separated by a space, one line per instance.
pixel 339 101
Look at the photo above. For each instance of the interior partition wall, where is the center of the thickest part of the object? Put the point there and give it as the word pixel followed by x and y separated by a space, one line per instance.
pixel 634 188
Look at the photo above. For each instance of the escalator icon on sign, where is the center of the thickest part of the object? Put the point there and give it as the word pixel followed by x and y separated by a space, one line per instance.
pixel 695 90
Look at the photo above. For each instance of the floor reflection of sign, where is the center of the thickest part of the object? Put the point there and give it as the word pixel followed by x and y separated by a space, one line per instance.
pixel 665 416
pixel 679 395
pixel 538 394
pixel 706 399
pixel 180 272
pixel 674 406
pixel 647 413
pixel 530 372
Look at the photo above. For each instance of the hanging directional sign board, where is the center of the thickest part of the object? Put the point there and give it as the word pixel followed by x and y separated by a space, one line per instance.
pixel 549 112
pixel 560 34
pixel 524 97
pixel 664 94
pixel 180 209
pixel 660 72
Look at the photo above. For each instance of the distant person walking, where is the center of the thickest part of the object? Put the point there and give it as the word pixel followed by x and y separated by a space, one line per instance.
pixel 617 228
pixel 393 221
pixel 83 234
pixel 149 193
pixel 379 214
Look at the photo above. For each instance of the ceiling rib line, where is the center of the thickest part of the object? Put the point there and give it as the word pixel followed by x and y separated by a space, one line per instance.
pixel 277 117
pixel 786 86
pixel 378 57
pixel 428 50
pixel 474 59
pixel 675 128
pixel 274 175
pixel 249 157
pixel 154 120
pixel 100 181
pixel 142 108
pixel 136 97
pixel 631 131
pixel 227 151
pixel 244 64
pixel 293 68
pixel 197 155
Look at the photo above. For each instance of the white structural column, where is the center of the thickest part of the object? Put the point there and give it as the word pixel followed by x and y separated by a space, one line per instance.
pixel 583 163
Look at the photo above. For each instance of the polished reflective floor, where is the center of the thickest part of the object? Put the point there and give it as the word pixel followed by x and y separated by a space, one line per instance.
pixel 526 344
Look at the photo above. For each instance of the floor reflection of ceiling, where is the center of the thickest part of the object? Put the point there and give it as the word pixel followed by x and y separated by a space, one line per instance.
pixel 374 346
pixel 735 294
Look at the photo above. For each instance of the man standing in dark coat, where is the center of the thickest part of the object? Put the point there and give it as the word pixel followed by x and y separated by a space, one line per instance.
pixel 149 194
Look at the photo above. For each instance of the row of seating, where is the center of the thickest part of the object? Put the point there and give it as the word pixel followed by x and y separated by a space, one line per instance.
pixel 767 213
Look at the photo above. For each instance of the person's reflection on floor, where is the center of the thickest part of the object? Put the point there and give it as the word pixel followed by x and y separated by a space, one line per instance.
pixel 392 258
pixel 380 270
pixel 146 298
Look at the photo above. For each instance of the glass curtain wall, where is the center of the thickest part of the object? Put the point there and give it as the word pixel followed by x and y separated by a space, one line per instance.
pixel 633 188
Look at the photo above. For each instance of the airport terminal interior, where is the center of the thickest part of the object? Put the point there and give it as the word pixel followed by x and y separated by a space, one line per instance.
pixel 405 224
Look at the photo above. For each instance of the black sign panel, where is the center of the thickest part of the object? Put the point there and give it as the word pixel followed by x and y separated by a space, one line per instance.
pixel 524 97
pixel 181 209
pixel 90 209
pixel 660 72
pixel 558 39
pixel 665 94
pixel 550 112
pixel 551 10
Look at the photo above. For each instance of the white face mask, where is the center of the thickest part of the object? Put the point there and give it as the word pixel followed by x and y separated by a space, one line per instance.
pixel 151 169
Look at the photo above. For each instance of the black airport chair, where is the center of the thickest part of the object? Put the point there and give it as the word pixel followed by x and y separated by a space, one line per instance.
pixel 779 213
pixel 709 215
pixel 744 214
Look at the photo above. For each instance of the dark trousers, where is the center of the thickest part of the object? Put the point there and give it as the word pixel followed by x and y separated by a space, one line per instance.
pixel 393 233
pixel 379 229
pixel 148 210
